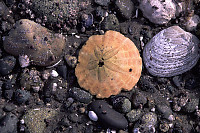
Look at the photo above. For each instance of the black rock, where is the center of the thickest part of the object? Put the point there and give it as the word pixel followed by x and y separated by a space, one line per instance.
pixel 191 105
pixel 7 64
pixel 21 96
pixel 80 95
pixel 125 7
pixel 139 100
pixel 9 107
pixel 8 124
pixel 122 104
pixel 108 116
pixel 62 71
pixel 164 110
pixel 8 94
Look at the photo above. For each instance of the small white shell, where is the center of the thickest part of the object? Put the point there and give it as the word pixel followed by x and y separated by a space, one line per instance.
pixel 158 11
pixel 92 115
pixel 54 74
pixel 171 52
pixel 24 60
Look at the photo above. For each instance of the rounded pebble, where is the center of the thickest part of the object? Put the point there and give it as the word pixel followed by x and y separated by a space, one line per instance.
pixel 122 104
pixel 54 74
pixel 21 96
pixel 125 7
pixel 149 119
pixel 134 115
pixel 7 64
pixel 107 116
pixel 93 116
pixel 9 124
pixel 62 71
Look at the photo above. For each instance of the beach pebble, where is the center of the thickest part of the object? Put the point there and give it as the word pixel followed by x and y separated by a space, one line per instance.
pixel 24 60
pixel 158 11
pixel 134 115
pixel 107 116
pixel 191 105
pixel 92 115
pixel 42 46
pixel 164 110
pixel 192 23
pixel 8 123
pixel 149 119
pixel 125 7
pixel 122 104
pixel 102 2
pixel 54 73
pixel 71 60
pixel 21 96
pixel 139 100
pixel 80 95
pixel 7 64
pixel 110 23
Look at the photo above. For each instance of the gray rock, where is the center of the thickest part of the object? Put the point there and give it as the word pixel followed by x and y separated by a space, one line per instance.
pixel 21 96
pixel 134 115
pixel 122 104
pixel 110 23
pixel 9 107
pixel 7 64
pixel 102 2
pixel 139 100
pixel 191 105
pixel 125 7
pixel 149 119
pixel 164 110
pixel 80 95
pixel 8 124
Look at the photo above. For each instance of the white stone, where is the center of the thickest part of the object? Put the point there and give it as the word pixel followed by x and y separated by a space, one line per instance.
pixel 92 115
pixel 157 11
pixel 54 74
pixel 24 60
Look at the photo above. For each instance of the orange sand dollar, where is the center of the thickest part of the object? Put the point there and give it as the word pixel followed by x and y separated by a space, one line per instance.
pixel 108 64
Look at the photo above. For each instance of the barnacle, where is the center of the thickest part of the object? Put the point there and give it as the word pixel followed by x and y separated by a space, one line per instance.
pixel 108 64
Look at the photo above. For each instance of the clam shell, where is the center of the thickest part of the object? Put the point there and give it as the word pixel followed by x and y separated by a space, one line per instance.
pixel 108 64
pixel 171 52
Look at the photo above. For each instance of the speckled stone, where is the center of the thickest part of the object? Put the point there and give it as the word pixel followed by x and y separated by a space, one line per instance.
pixel 164 110
pixel 191 105
pixel 42 46
pixel 7 64
pixel 134 115
pixel 21 96
pixel 111 23
pixel 125 7
pixel 8 123
pixel 122 104
pixel 149 118
pixel 80 95
pixel 35 119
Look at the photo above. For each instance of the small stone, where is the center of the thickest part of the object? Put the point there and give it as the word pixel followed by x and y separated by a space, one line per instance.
pixel 45 74
pixel 125 7
pixel 102 2
pixel 73 117
pixel 7 64
pixel 8 123
pixel 21 96
pixel 87 20
pixel 107 116
pixel 24 60
pixel 9 107
pixel 149 119
pixel 165 110
pixel 65 122
pixel 191 105
pixel 8 94
pixel 192 23
pixel 110 23
pixel 54 74
pixel 80 95
pixel 164 127
pixel 139 100
pixel 35 119
pixel 122 104
pixel 134 115
pixel 93 116
pixel 71 60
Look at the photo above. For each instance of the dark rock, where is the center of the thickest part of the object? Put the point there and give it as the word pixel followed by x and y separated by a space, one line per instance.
pixel 71 60
pixel 177 80
pixel 65 122
pixel 134 115
pixel 9 107
pixel 139 100
pixel 107 116
pixel 122 104
pixel 102 2
pixel 149 119
pixel 89 129
pixel 8 124
pixel 7 85
pixel 7 64
pixel 99 12
pixel 80 95
pixel 164 110
pixel 146 84
pixel 87 20
pixel 8 94
pixel 68 102
pixel 110 23
pixel 62 71
pixel 21 96
pixel 125 7
pixel 73 117
pixel 191 105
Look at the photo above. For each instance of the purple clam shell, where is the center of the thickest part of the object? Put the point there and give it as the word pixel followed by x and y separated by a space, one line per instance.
pixel 171 52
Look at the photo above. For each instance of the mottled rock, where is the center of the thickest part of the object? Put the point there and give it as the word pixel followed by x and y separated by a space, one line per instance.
pixel 110 23
pixel 107 116
pixel 30 79
pixel 71 60
pixel 139 100
pixel 80 95
pixel 43 47
pixel 134 115
pixel 158 11
pixel 102 2
pixel 21 96
pixel 7 64
pixel 35 119
pixel 164 110
pixel 191 105
pixel 125 7
pixel 122 104
pixel 149 119
pixel 8 123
